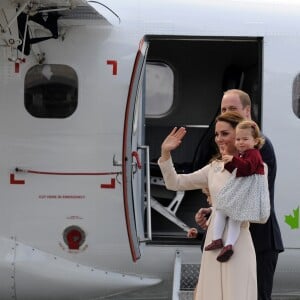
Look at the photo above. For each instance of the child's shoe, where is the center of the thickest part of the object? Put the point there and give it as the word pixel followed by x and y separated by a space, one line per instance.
pixel 225 254
pixel 215 244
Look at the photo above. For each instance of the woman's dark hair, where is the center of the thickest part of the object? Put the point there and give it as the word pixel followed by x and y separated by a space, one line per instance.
pixel 231 117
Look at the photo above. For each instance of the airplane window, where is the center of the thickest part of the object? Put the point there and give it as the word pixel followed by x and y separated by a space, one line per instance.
pixel 51 91
pixel 296 96
pixel 159 89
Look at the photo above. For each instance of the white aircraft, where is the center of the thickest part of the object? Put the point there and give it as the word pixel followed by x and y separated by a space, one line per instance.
pixel 88 91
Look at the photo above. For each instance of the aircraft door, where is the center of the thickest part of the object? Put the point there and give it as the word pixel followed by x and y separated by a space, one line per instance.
pixel 135 153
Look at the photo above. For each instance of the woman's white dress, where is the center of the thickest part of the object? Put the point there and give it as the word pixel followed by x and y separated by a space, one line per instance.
pixel 232 280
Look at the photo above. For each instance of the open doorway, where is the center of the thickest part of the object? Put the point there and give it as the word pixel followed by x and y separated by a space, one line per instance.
pixel 185 81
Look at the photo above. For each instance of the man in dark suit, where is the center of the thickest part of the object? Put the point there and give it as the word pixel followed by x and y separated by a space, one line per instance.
pixel 266 237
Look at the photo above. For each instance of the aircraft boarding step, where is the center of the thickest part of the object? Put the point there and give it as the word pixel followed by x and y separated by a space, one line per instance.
pixel 188 281
pixel 185 279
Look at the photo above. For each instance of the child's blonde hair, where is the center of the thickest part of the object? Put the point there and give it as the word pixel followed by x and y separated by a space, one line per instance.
pixel 255 131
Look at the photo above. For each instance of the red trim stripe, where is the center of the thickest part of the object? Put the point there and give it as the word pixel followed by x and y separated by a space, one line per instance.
pixel 126 207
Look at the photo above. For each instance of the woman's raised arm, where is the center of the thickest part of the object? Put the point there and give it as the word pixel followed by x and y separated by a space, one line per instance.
pixel 171 142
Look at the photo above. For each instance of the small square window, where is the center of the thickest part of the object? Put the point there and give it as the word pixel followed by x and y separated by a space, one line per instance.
pixel 159 89
pixel 51 91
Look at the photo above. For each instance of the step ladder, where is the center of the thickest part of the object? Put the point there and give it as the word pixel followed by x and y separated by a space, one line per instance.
pixel 185 279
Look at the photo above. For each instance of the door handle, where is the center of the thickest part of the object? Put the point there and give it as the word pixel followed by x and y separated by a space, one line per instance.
pixel 148 193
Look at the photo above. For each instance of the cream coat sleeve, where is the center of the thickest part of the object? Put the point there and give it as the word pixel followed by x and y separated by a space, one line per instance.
pixel 183 182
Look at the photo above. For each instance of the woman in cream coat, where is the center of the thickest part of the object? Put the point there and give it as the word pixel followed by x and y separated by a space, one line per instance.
pixel 235 279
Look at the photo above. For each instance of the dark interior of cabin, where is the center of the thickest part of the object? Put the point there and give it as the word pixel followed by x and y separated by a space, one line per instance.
pixel 203 68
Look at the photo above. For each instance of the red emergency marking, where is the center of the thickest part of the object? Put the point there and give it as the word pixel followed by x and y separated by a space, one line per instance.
pixel 17 64
pixel 17 67
pixel 74 238
pixel 110 185
pixel 114 64
pixel 15 181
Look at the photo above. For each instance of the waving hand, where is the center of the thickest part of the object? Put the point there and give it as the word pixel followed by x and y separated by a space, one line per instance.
pixel 172 141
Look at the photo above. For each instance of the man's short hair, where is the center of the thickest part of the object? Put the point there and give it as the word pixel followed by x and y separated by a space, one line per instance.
pixel 244 97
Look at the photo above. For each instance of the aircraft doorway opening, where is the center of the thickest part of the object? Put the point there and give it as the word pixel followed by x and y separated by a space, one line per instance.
pixel 185 81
